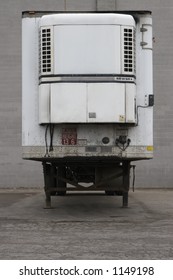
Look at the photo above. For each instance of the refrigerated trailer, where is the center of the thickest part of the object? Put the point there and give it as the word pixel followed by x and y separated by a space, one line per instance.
pixel 87 98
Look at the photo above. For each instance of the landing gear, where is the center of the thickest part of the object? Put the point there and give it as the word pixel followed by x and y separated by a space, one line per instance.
pixel 120 184
pixel 125 199
pixel 53 185
pixel 47 171
pixel 112 178
pixel 126 182
pixel 61 185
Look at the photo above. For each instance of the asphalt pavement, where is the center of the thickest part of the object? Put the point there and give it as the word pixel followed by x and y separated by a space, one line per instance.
pixel 86 226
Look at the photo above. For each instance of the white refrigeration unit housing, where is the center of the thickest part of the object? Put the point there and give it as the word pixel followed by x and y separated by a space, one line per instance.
pixel 87 88
pixel 79 54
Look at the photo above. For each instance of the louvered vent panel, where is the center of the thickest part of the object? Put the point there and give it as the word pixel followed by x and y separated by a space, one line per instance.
pixel 45 64
pixel 129 50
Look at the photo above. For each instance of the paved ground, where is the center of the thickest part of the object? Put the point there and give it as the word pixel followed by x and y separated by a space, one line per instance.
pixel 85 226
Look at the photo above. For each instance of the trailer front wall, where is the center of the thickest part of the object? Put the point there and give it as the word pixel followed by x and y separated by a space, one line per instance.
pixel 105 124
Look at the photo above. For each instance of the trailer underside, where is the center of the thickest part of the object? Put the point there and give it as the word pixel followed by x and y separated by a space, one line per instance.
pixel 112 177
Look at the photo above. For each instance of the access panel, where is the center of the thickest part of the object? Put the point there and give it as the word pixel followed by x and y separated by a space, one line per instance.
pixel 68 103
pixel 106 102
pixel 87 103
pixel 87 49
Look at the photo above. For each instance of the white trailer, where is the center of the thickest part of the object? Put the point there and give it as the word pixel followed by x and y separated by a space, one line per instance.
pixel 87 98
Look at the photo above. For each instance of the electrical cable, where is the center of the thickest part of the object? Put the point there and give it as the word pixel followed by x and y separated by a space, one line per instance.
pixel 52 126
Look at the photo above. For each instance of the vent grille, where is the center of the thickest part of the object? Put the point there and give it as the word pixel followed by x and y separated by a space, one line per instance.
pixel 129 50
pixel 45 65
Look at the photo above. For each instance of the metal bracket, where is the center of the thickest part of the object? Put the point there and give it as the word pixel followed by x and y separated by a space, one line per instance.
pixel 142 29
pixel 143 44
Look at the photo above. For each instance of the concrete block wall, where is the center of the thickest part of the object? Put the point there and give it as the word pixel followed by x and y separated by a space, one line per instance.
pixel 15 172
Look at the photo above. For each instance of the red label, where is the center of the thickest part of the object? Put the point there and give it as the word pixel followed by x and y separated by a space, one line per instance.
pixel 69 136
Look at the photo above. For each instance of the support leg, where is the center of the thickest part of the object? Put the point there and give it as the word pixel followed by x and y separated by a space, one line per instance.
pixel 125 199
pixel 47 181
pixel 61 184
pixel 48 199
pixel 126 182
